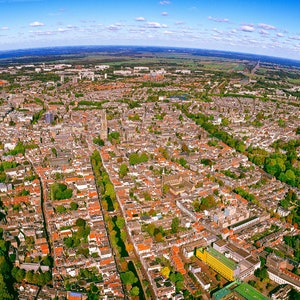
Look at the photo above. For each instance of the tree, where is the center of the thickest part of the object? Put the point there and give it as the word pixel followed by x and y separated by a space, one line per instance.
pixel 165 272
pixel 143 158
pixel 80 222
pixel 225 122
pixel 110 191
pixel 123 170
pixel 120 222
pixel 73 206
pixel 59 191
pixel 129 277
pixel 261 273
pixel 18 274
pixel 158 237
pixel 60 209
pixel 4 267
pixel 290 177
pixel 175 225
pixel 3 246
pixel 98 141
pixel 134 291
pixel 69 242
pixel 134 159
pixel 184 148
pixel 29 276
pixel 48 261
pixel 4 293
pixel 165 188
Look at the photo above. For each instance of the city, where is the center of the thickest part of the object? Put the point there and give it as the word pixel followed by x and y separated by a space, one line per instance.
pixel 129 178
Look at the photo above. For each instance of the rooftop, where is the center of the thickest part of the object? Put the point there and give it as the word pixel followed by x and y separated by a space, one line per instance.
pixel 222 258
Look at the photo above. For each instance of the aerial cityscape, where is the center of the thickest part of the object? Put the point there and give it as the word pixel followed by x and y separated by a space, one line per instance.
pixel 168 170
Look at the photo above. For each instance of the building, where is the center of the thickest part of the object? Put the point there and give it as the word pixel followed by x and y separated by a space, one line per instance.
pixel 219 262
pixel 247 263
pixel 49 117
pixel 237 290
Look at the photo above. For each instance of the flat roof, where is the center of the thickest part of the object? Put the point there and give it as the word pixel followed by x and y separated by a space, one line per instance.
pixel 249 292
pixel 220 294
pixel 222 258
pixel 243 222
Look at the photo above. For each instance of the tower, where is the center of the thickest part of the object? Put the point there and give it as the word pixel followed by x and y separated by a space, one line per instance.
pixel 103 125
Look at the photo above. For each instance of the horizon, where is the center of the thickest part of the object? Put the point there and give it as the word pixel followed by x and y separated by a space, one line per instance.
pixel 85 49
pixel 257 28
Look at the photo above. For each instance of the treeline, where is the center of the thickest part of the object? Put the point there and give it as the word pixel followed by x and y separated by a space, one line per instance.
pixel 45 77
pixel 135 158
pixel 284 166
pixel 215 131
pixel 104 184
pixel 37 116
pixel 20 148
pixel 10 274
pixel 6 279
pixel 283 163
pixel 292 203
pixel 60 191
pixel 293 242
pixel 245 195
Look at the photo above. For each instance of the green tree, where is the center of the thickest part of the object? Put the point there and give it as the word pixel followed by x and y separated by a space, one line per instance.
pixel 120 222
pixel 110 191
pixel 18 274
pixel 175 225
pixel 60 209
pixel 80 222
pixel 135 291
pixel 73 206
pixel 98 141
pixel 134 158
pixel 4 293
pixel 123 170
pixel 129 277
pixel 143 158
pixel 59 191
pixel 4 267
pixel 69 242
pixel 261 273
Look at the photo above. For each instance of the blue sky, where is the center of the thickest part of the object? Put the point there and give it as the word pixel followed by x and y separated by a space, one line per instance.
pixel 270 27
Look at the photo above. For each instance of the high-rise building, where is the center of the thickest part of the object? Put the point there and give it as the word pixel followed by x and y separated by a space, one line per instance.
pixel 49 117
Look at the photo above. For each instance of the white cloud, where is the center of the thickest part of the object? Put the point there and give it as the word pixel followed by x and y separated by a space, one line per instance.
pixel 219 20
pixel 164 13
pixel 295 37
pixel 165 2
pixel 179 23
pixel 72 26
pixel 156 25
pixel 62 29
pixel 266 26
pixel 279 34
pixel 217 30
pixel 4 28
pixel 114 27
pixel 140 19
pixel 247 28
pixel 36 24
pixel 263 32
pixel 40 32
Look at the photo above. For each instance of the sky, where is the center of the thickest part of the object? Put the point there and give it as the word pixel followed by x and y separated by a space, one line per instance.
pixel 268 27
